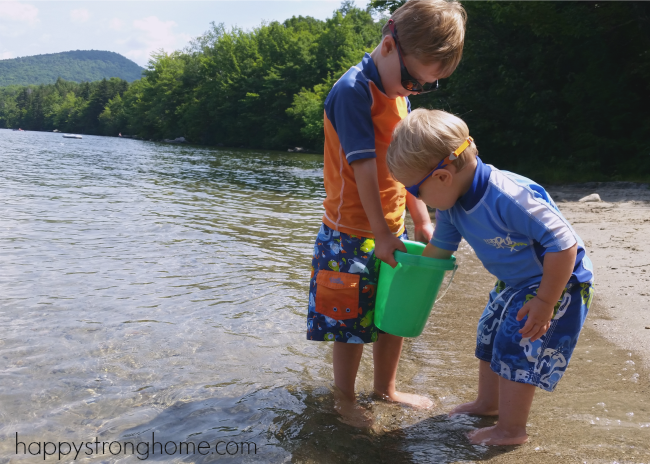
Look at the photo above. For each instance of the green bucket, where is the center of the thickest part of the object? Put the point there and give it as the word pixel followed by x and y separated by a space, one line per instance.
pixel 407 293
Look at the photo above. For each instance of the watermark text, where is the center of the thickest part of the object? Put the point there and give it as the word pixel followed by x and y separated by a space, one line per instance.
pixel 142 449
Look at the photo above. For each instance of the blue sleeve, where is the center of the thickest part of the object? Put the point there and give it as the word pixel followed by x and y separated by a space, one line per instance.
pixel 348 108
pixel 445 235
pixel 537 219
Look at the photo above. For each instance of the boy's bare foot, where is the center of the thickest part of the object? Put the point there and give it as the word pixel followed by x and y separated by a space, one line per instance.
pixel 410 399
pixel 496 436
pixel 353 414
pixel 474 408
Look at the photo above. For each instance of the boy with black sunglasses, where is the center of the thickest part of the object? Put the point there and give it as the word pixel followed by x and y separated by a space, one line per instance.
pixel 365 207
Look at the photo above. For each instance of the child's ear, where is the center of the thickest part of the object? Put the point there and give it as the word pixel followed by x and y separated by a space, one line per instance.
pixel 387 45
pixel 444 177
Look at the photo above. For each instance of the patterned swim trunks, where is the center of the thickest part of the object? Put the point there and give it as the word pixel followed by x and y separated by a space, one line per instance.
pixel 543 362
pixel 342 290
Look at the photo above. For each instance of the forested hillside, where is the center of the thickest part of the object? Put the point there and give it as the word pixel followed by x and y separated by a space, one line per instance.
pixel 77 66
pixel 556 90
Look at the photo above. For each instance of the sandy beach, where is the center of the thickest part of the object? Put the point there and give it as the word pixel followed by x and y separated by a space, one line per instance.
pixel 615 231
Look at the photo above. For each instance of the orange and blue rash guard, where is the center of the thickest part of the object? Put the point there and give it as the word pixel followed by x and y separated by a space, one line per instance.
pixel 359 123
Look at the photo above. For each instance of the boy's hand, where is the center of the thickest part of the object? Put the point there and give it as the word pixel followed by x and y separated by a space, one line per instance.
pixel 539 314
pixel 558 267
pixel 385 246
pixel 424 232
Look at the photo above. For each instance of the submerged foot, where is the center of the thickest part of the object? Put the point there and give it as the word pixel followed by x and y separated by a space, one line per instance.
pixel 410 399
pixel 496 436
pixel 474 408
pixel 353 414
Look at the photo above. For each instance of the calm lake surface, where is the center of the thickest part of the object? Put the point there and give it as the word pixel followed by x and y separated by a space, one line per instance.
pixel 151 288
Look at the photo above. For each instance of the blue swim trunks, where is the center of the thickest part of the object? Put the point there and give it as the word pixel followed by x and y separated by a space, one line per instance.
pixel 342 290
pixel 542 362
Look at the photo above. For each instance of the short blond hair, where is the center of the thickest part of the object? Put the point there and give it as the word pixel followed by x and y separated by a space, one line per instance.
pixel 424 138
pixel 431 31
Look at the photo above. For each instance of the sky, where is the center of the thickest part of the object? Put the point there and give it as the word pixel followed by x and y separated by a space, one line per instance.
pixel 135 29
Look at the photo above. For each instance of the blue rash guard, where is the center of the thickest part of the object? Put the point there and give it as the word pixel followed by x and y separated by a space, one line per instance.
pixel 511 222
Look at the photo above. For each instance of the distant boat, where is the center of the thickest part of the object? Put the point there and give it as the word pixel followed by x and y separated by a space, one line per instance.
pixel 72 136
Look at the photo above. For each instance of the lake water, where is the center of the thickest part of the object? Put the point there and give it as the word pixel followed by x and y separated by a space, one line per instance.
pixel 161 289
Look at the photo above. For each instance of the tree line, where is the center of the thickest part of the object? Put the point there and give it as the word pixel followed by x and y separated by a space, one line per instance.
pixel 555 90
pixel 65 105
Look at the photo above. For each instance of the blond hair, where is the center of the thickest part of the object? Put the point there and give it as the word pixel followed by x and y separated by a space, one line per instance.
pixel 431 31
pixel 424 138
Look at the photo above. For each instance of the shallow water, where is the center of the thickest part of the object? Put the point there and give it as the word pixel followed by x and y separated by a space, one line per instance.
pixel 152 288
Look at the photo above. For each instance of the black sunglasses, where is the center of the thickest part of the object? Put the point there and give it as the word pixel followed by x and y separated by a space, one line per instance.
pixel 409 82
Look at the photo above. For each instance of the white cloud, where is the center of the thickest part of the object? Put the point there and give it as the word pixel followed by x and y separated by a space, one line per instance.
pixel 80 16
pixel 153 34
pixel 6 55
pixel 116 24
pixel 18 12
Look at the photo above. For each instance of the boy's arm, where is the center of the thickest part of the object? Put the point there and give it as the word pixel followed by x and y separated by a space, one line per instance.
pixel 558 267
pixel 365 175
pixel 421 218
pixel 432 251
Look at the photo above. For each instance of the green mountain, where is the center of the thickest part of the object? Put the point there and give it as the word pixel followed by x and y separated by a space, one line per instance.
pixel 78 66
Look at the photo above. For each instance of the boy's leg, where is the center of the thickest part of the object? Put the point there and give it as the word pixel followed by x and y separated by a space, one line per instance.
pixel 524 365
pixel 515 400
pixel 487 400
pixel 341 310
pixel 346 359
pixel 386 353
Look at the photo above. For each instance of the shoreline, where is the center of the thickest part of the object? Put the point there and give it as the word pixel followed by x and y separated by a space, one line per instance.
pixel 184 142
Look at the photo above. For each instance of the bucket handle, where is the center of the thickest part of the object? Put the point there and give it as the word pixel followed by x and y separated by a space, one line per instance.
pixel 453 273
